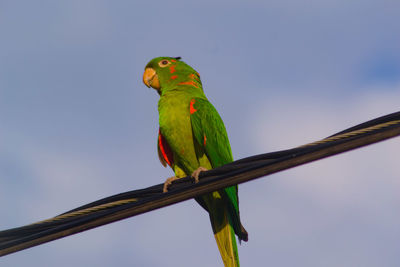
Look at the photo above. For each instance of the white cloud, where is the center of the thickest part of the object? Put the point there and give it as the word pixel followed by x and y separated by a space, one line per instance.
pixel 328 198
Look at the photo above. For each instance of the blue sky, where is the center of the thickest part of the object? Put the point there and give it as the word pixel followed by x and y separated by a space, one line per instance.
pixel 77 124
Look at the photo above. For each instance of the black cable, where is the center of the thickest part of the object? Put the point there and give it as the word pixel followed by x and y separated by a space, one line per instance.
pixel 135 202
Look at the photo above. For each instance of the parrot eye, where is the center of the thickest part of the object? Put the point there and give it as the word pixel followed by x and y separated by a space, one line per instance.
pixel 164 63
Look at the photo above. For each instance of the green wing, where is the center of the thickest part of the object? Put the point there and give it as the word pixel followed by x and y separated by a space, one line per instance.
pixel 210 133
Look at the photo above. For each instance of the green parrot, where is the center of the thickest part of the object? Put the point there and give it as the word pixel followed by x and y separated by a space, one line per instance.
pixel 192 138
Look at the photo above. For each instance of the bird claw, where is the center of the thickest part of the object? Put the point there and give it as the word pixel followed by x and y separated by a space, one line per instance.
pixel 195 176
pixel 196 173
pixel 168 182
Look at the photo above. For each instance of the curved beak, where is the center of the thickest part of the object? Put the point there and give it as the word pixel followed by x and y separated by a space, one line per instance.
pixel 150 78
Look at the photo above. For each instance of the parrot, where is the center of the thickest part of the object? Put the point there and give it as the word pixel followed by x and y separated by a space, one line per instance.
pixel 192 138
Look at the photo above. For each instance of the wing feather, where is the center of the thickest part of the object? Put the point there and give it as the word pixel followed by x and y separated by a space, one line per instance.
pixel 209 131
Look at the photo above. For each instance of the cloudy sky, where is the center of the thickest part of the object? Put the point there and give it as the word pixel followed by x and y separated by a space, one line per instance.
pixel 77 124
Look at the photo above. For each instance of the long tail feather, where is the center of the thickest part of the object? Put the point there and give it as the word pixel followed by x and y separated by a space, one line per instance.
pixel 224 233
pixel 226 241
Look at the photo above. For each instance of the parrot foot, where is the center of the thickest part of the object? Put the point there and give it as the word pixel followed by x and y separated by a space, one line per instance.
pixel 197 172
pixel 168 182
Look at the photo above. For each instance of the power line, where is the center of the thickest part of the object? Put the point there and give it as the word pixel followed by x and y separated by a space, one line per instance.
pixel 128 204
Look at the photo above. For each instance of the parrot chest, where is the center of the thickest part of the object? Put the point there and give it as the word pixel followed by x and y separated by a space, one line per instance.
pixel 175 126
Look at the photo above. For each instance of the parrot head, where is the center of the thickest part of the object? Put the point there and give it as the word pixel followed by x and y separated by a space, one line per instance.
pixel 163 73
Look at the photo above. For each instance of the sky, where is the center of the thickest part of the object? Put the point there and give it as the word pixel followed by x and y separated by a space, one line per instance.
pixel 77 124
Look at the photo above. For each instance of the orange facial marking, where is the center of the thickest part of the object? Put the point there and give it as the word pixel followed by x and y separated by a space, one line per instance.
pixel 174 77
pixel 192 76
pixel 189 83
pixel 173 60
pixel 192 109
pixel 172 69
pixel 205 140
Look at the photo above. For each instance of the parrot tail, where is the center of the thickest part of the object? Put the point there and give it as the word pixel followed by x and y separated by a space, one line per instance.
pixel 225 236
pixel 222 225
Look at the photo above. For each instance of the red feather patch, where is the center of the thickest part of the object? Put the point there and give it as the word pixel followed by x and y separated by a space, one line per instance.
pixel 165 149
pixel 192 83
pixel 192 109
